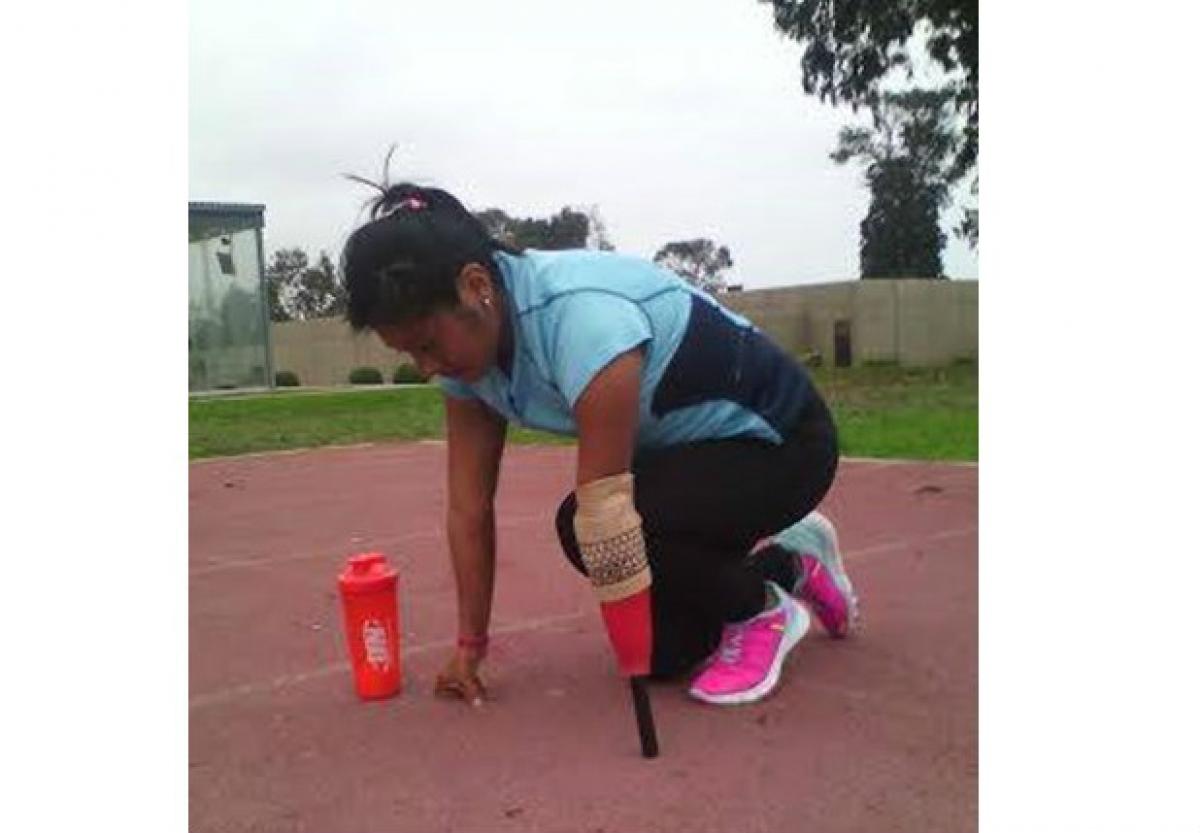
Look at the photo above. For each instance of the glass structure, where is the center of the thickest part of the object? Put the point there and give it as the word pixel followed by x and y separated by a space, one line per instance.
pixel 229 333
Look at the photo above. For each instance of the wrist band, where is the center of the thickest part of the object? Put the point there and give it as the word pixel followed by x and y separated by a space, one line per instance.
pixel 473 641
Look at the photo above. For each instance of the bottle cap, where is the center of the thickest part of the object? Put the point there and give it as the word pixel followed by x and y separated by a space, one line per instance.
pixel 367 572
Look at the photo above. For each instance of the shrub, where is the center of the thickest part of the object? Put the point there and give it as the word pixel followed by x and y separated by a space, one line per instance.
pixel 812 358
pixel 286 379
pixel 406 374
pixel 366 376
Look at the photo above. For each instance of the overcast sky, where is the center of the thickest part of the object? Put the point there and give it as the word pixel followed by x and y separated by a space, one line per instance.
pixel 676 118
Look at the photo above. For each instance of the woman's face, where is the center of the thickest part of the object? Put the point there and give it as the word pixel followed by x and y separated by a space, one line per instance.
pixel 461 343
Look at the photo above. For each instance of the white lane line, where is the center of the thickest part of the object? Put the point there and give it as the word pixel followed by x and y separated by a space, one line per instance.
pixel 953 533
pixel 242 563
pixel 225 695
pixel 279 452
pixel 343 666
pixel 899 461
pixel 425 535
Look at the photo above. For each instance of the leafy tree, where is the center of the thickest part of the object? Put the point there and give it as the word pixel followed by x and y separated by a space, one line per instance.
pixel 274 303
pixel 598 231
pixel 317 293
pixel 852 46
pixel 901 237
pixel 284 270
pixel 909 172
pixel 568 229
pixel 968 227
pixel 699 262
pixel 297 291
pixel 498 224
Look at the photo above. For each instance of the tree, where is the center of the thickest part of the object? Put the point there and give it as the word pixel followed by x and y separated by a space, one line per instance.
pixel 598 231
pixel 498 224
pixel 852 46
pixel 698 261
pixel 274 303
pixel 283 271
pixel 968 227
pixel 568 229
pixel 317 293
pixel 296 291
pixel 901 237
pixel 908 171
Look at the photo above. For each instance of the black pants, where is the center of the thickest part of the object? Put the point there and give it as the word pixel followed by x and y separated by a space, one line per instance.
pixel 703 506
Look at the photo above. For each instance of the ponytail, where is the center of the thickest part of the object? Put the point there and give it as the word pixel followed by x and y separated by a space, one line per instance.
pixel 405 261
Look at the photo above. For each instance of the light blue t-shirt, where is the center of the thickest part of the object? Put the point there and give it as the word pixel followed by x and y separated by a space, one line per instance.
pixel 708 373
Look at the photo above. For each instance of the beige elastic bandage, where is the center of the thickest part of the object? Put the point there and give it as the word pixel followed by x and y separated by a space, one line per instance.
pixel 609 532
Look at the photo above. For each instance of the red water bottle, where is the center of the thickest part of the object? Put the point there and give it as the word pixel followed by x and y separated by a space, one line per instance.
pixel 372 617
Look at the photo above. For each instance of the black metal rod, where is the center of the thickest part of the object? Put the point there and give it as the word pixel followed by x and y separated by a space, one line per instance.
pixel 645 718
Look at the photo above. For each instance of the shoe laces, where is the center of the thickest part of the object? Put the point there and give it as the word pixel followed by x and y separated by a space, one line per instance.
pixel 811 569
pixel 730 650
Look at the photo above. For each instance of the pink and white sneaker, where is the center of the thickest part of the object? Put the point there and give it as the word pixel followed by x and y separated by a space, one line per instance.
pixel 821 581
pixel 746 665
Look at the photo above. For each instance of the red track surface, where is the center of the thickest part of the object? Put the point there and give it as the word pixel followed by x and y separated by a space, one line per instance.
pixel 876 733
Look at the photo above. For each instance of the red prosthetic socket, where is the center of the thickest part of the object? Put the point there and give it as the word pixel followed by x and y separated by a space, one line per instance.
pixel 631 632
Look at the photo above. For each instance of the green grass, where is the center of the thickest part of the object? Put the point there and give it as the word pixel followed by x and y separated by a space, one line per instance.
pixel 920 414
pixel 225 425
pixel 881 411
pixel 221 426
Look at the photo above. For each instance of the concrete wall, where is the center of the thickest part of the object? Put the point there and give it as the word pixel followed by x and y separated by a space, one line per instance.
pixel 937 321
pixel 913 322
pixel 324 351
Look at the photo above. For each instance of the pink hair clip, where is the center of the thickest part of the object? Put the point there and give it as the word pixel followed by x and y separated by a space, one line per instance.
pixel 411 203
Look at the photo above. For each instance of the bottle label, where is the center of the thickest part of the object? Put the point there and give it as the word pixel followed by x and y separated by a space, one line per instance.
pixel 375 640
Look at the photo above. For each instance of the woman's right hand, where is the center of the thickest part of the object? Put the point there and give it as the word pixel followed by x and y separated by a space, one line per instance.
pixel 460 677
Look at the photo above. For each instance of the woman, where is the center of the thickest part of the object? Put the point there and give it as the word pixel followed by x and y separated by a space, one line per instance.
pixel 697 440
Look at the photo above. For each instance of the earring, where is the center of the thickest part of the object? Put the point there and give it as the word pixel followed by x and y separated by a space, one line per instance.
pixel 487 301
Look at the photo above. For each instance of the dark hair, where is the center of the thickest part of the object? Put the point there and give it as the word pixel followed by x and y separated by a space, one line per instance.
pixel 404 263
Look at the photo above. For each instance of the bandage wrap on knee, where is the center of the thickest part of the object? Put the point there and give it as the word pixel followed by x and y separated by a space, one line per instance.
pixel 609 531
